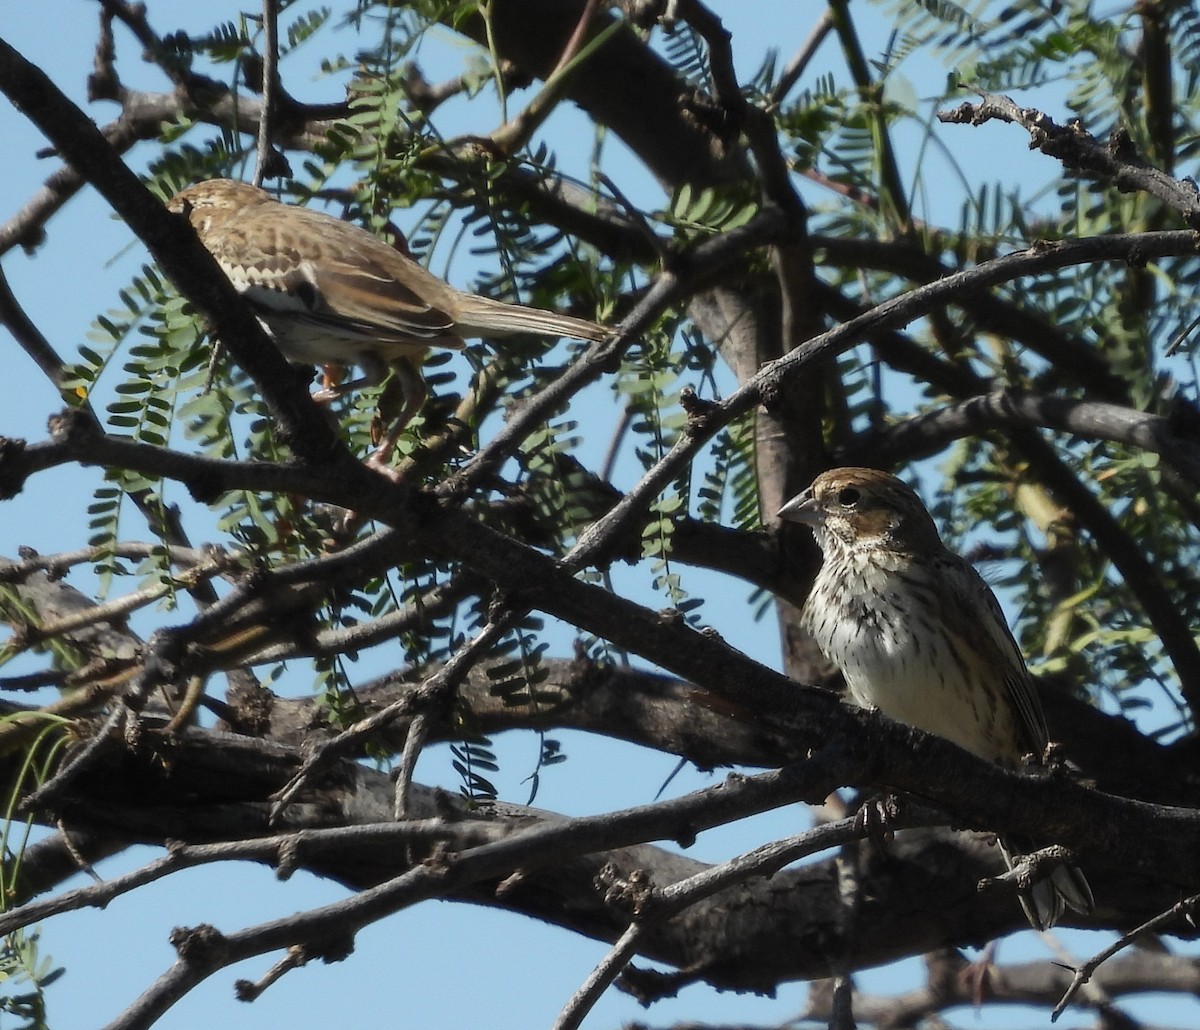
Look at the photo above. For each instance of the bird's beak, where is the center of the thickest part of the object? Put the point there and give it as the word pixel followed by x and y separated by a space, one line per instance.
pixel 801 508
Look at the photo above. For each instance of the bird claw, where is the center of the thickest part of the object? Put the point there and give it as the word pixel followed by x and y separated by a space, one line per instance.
pixel 1054 759
pixel 379 462
pixel 349 522
pixel 874 819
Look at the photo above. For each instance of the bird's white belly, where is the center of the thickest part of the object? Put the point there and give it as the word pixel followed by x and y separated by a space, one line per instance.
pixel 303 338
pixel 905 665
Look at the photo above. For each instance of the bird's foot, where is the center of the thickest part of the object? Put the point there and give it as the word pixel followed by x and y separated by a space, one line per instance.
pixel 380 461
pixel 1054 759
pixel 874 819
pixel 350 521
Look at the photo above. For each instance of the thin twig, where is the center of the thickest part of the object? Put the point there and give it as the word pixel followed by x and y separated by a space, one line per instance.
pixel 437 601
pixel 436 695
pixel 706 260
pixel 295 845
pixel 1096 996
pixel 113 610
pixel 664 903
pixel 414 744
pixel 1181 337
pixel 76 855
pixel 799 62
pixel 578 35
pixel 79 761
pixel 250 990
pixel 1115 161
pixel 54 565
pixel 270 90
pixel 545 843
pixel 1180 910
pixel 660 246
pixel 430 695
pixel 609 968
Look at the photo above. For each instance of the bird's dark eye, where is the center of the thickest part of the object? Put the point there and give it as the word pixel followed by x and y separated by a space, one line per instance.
pixel 848 496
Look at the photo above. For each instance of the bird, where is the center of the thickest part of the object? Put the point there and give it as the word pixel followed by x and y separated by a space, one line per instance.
pixel 918 635
pixel 329 292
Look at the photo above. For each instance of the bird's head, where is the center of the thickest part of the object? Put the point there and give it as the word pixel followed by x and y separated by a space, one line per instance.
pixel 210 204
pixel 863 508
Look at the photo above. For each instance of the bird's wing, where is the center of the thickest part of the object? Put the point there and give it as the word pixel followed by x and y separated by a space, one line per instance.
pixel 978 616
pixel 377 304
pixel 336 277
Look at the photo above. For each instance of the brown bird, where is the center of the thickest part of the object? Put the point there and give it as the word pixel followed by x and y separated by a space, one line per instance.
pixel 328 292
pixel 918 635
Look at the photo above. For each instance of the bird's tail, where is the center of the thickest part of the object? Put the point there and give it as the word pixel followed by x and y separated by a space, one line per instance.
pixel 1046 901
pixel 482 316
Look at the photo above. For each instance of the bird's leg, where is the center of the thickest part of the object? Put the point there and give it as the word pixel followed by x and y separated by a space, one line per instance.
pixel 1054 759
pixel 331 377
pixel 875 818
pixel 414 392
pixel 374 372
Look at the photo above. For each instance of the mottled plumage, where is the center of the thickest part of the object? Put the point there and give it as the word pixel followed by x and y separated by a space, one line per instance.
pixel 918 634
pixel 329 292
